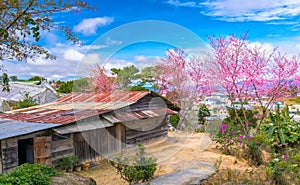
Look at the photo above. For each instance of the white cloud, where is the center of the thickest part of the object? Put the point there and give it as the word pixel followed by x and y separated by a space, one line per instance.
pixel 141 58
pixel 109 42
pixel 244 10
pixel 140 61
pixel 73 55
pixel 89 26
pixel 70 60
pixel 183 4
pixel 92 47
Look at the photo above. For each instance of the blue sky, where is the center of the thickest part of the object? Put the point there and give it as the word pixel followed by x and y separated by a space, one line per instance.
pixel 188 23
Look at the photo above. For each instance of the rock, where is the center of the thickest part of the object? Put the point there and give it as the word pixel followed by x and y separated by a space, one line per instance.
pixel 185 176
pixel 72 179
pixel 266 156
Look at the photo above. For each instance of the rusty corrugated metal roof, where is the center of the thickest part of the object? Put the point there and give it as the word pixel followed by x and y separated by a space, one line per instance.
pixel 76 106
pixel 118 117
pixel 117 96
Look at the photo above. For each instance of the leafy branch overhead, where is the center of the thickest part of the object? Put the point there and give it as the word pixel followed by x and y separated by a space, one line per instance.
pixel 22 22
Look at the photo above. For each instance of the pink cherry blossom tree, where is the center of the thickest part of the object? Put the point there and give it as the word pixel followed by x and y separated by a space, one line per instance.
pixel 248 71
pixel 100 81
pixel 181 78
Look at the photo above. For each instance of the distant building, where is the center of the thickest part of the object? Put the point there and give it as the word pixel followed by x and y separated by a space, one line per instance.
pixel 43 93
pixel 147 85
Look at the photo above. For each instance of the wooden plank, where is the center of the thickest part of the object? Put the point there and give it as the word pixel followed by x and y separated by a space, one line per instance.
pixel 9 165
pixel 8 143
pixel 140 134
pixel 9 152
pixel 42 150
pixel 9 158
pixel 135 136
pixel 61 145
pixel 60 154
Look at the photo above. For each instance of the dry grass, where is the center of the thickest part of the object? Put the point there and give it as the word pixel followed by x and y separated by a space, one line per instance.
pixel 104 174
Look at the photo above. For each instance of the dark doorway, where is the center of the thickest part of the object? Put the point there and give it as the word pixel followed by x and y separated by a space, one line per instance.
pixel 25 151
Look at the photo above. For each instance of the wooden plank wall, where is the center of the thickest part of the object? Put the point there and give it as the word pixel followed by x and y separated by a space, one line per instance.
pixel 134 136
pixel 97 144
pixel 9 150
pixel 82 149
pixel 148 102
pixel 61 147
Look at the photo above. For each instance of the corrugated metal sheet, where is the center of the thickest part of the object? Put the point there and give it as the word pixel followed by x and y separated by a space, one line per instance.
pixel 10 128
pixel 81 126
pixel 118 117
pixel 79 106
pixel 18 89
pixel 75 106
pixel 117 96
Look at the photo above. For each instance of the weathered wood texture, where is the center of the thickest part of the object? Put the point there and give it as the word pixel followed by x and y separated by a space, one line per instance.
pixel 153 101
pixel 9 150
pixel 42 150
pixel 61 146
pixel 136 135
pixel 96 144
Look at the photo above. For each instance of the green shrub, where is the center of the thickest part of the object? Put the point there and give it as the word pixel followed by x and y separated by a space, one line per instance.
pixel 203 112
pixel 282 129
pixel 174 120
pixel 68 162
pixel 29 174
pixel 238 177
pixel 27 101
pixel 76 161
pixel 254 154
pixel 137 168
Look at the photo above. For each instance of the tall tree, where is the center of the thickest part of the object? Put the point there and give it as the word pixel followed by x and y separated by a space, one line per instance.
pixel 100 81
pixel 125 76
pixel 147 72
pixel 21 23
pixel 247 72
pixel 13 78
pixel 180 75
pixel 182 79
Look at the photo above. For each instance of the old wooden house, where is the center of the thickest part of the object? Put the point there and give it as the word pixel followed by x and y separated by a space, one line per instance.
pixel 88 125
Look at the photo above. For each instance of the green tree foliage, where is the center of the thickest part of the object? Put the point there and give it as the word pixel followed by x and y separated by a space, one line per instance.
pixel 78 85
pixel 29 174
pixel 281 128
pixel 137 168
pixel 125 75
pixel 137 88
pixel 65 87
pixel 115 71
pixel 203 112
pixel 236 116
pixel 13 78
pixel 27 101
pixel 21 22
pixel 37 78
pixel 174 120
pixel 147 72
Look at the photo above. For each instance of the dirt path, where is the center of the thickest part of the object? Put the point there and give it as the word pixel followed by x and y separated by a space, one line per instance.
pixel 181 151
